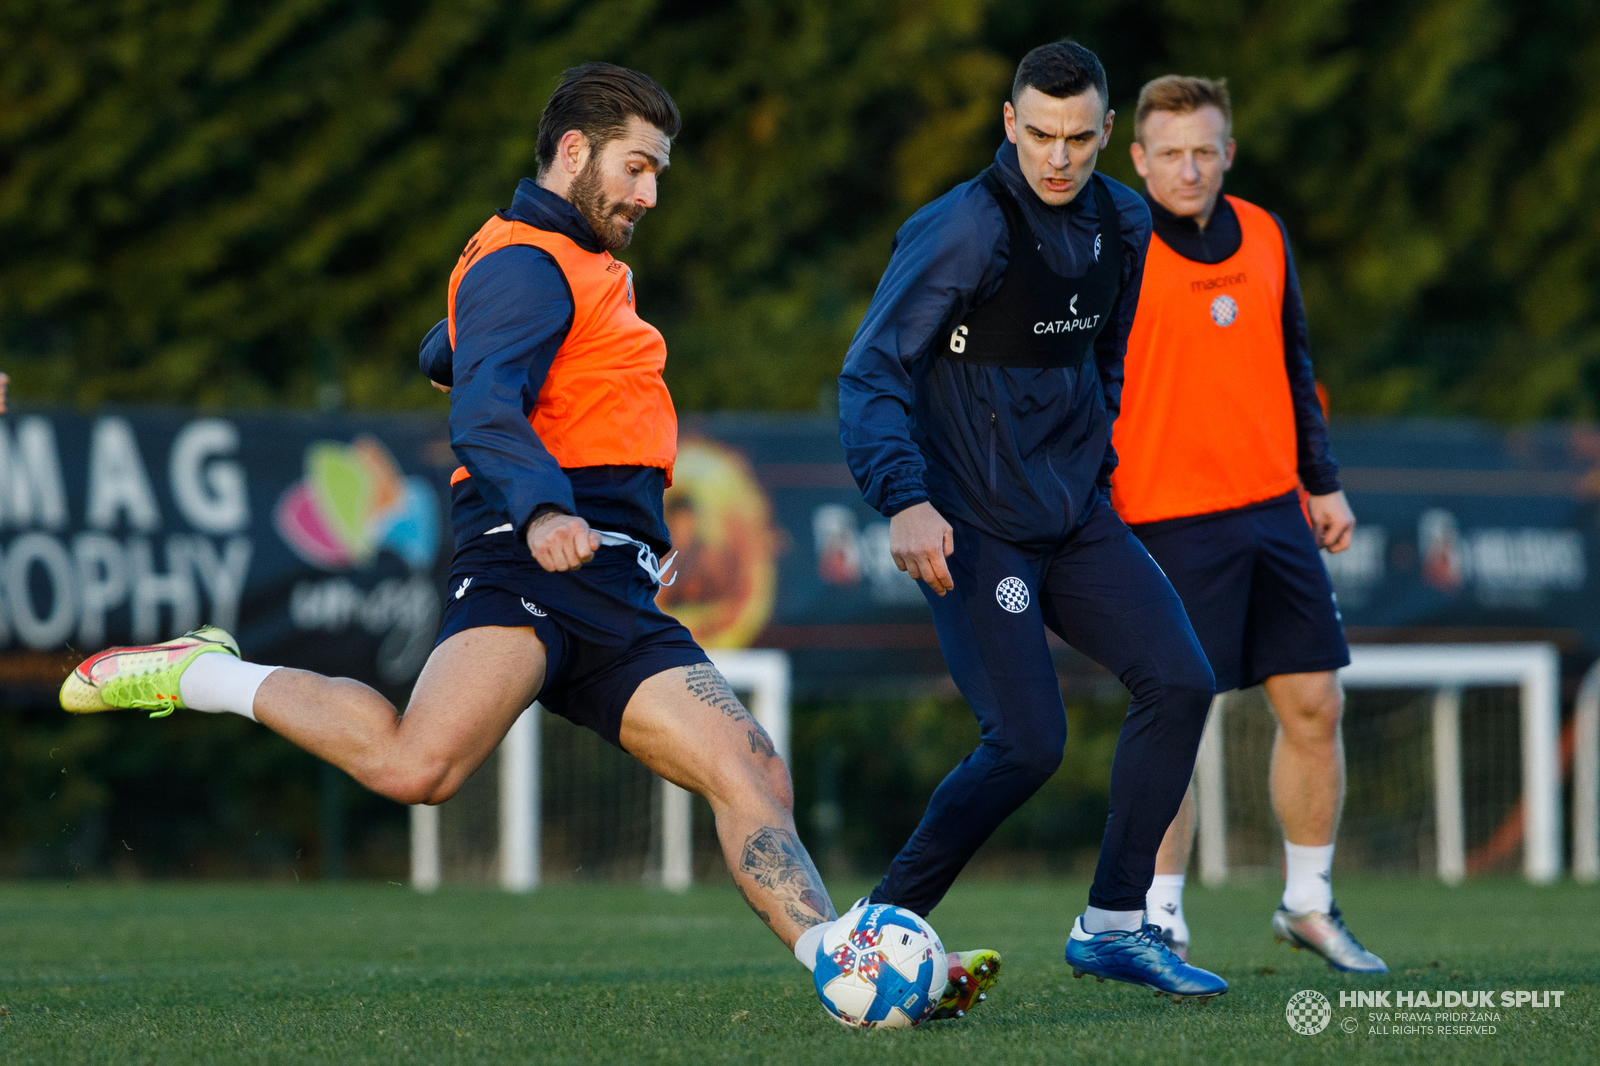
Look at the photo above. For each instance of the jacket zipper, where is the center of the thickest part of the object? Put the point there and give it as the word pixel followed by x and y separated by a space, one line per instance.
pixel 994 429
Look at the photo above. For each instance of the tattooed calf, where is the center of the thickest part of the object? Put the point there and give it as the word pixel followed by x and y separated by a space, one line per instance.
pixel 763 915
pixel 777 861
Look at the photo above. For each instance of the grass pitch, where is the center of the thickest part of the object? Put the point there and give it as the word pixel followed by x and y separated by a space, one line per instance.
pixel 377 974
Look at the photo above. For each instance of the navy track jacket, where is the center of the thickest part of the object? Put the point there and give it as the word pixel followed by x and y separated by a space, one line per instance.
pixel 910 420
pixel 513 311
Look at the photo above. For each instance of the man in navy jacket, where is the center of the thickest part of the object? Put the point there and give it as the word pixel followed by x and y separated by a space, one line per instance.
pixel 975 407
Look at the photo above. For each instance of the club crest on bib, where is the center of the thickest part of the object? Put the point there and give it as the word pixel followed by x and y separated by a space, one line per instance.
pixel 1013 595
pixel 1224 310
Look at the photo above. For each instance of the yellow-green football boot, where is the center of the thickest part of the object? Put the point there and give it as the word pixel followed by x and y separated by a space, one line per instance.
pixel 141 678
pixel 972 974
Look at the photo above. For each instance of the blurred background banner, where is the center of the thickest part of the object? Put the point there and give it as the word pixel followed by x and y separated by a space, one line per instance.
pixel 323 542
pixel 1468 532
pixel 320 542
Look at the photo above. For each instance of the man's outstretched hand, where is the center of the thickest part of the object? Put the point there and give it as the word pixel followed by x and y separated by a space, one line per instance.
pixel 920 540
pixel 561 541
pixel 1332 521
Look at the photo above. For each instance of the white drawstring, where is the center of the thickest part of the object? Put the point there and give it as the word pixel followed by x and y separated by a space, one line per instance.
pixel 647 559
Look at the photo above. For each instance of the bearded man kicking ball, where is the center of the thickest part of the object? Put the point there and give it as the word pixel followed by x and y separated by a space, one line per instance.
pixel 566 436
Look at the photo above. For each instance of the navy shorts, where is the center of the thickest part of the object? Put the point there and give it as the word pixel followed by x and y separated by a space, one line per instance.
pixel 601 628
pixel 1255 588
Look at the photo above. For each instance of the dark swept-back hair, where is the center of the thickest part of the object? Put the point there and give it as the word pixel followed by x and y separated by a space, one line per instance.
pixel 1061 69
pixel 597 99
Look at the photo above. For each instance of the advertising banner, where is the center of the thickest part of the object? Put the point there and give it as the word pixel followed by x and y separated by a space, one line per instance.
pixel 1467 532
pixel 323 542
pixel 320 542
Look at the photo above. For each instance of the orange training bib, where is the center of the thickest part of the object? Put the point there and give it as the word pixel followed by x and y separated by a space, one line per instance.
pixel 603 402
pixel 1207 422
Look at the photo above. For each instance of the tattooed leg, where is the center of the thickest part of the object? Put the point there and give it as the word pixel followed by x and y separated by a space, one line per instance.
pixel 777 862
pixel 706 683
pixel 688 726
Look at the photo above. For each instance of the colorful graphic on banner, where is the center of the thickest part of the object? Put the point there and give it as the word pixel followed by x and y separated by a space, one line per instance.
pixel 721 526
pixel 353 503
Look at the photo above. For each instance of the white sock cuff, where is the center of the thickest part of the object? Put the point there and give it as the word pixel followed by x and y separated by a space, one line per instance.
pixel 1308 877
pixel 805 949
pixel 216 682
pixel 1318 854
pixel 1096 920
pixel 1167 881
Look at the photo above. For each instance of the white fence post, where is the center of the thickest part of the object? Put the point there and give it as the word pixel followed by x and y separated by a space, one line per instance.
pixel 519 803
pixel 677 838
pixel 1541 769
pixel 1586 779
pixel 1211 809
pixel 1450 826
pixel 424 847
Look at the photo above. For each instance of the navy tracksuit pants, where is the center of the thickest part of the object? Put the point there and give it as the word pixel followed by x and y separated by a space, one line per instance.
pixel 1100 591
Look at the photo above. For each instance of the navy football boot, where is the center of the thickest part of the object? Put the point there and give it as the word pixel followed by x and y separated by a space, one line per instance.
pixel 1140 957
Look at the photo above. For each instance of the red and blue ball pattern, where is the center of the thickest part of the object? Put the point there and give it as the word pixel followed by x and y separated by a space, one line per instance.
pixel 880 967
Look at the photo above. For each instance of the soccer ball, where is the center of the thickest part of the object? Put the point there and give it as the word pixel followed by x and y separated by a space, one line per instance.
pixel 880 967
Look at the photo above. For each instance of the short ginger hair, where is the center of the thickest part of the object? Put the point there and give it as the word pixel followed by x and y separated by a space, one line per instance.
pixel 1182 94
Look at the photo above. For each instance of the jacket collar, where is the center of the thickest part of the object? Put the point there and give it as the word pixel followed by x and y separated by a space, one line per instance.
pixel 543 209
pixel 1010 169
pixel 1164 219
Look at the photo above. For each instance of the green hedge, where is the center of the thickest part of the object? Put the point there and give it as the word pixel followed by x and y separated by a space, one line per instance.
pixel 215 202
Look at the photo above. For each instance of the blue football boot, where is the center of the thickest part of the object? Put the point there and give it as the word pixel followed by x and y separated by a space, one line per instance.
pixel 1141 958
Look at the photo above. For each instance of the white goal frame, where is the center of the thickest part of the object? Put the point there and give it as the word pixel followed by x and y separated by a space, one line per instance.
pixel 763 673
pixel 1586 779
pixel 1445 668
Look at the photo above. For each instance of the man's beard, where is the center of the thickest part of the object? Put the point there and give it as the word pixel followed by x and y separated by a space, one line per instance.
pixel 604 216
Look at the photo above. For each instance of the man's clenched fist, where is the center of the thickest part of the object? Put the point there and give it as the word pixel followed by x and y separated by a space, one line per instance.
pixel 561 541
pixel 1332 521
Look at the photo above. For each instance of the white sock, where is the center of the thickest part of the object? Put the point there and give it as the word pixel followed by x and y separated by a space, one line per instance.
pixel 1308 883
pixel 1164 904
pixel 216 681
pixel 1096 920
pixel 805 949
